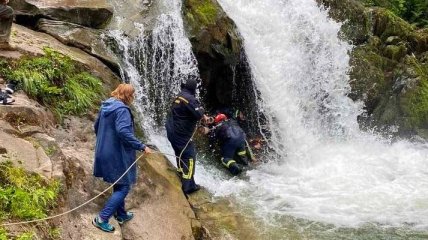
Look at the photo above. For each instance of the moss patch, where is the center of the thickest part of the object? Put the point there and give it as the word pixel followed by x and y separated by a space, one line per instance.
pixel 204 10
pixel 368 78
pixel 415 98
pixel 386 24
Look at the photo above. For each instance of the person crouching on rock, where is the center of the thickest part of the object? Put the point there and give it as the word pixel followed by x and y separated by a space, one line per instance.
pixel 115 152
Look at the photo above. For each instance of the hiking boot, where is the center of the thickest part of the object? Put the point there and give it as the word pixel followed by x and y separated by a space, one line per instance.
pixel 122 219
pixel 104 226
pixel 197 188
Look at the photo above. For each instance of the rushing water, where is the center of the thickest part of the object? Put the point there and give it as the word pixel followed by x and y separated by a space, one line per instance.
pixel 329 171
pixel 156 60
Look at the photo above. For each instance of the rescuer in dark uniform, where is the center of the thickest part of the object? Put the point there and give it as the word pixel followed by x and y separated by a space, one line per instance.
pixel 185 113
pixel 231 138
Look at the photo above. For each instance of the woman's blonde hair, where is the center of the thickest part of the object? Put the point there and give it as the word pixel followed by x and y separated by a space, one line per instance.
pixel 124 92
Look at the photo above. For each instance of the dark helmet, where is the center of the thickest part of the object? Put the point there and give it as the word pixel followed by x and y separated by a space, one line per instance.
pixel 190 85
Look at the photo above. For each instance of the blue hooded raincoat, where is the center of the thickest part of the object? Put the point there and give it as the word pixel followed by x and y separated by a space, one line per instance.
pixel 116 145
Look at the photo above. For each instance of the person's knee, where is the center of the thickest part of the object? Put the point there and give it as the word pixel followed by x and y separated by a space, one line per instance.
pixel 123 189
pixel 232 166
pixel 234 169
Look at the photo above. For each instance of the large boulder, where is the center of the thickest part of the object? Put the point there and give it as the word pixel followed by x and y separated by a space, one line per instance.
pixel 388 70
pixel 218 48
pixel 90 13
pixel 406 103
pixel 221 218
pixel 88 39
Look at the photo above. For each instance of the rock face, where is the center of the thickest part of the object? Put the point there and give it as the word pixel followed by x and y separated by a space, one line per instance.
pixel 32 43
pixel 389 67
pixel 162 210
pixel 90 13
pixel 223 67
pixel 88 39
pixel 356 18
pixel 218 49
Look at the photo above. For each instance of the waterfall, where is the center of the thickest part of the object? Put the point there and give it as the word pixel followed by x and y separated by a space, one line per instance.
pixel 328 170
pixel 155 61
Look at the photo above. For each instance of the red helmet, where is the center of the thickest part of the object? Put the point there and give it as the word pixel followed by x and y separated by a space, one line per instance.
pixel 219 118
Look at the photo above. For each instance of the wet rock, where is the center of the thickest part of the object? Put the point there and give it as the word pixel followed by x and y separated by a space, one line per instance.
pixel 161 210
pixel 90 13
pixel 217 46
pixel 220 219
pixel 354 16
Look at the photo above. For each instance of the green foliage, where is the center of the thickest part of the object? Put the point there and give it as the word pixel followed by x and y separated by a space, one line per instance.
pixel 57 82
pixel 24 195
pixel 54 233
pixel 26 236
pixel 414 11
pixel 3 234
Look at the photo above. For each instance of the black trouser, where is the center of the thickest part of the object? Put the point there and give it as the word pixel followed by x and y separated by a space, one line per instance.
pixel 186 166
pixel 229 150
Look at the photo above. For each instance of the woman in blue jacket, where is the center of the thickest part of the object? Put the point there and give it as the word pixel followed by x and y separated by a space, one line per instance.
pixel 115 151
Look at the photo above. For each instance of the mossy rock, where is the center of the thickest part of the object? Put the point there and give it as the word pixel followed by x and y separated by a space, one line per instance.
pixel 355 17
pixel 395 52
pixel 368 80
pixel 386 24
pixel 414 99
pixel 208 25
pixel 406 103
pixel 217 45
pixel 419 40
pixel 202 12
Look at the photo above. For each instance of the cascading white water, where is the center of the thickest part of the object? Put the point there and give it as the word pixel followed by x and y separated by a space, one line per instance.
pixel 329 171
pixel 156 62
